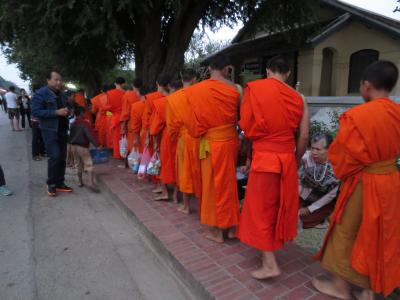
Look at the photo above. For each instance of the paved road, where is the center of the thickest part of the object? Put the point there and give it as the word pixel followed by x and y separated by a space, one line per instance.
pixel 77 246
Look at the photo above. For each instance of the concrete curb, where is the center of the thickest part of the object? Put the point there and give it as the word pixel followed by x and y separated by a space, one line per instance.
pixel 197 290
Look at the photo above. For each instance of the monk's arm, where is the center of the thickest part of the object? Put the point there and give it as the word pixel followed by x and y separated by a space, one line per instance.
pixel 303 132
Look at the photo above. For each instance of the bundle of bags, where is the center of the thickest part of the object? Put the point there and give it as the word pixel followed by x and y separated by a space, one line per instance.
pixel 144 164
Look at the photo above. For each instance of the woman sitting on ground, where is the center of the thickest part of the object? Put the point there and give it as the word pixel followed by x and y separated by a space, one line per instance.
pixel 318 186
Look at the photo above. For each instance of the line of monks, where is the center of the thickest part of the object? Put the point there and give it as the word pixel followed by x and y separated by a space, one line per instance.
pixel 194 127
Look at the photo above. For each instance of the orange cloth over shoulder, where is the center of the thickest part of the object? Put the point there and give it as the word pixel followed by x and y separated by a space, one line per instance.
pixel 213 116
pixel 128 99
pixel 80 100
pixel 188 174
pixel 135 122
pixel 270 115
pixel 167 144
pixel 369 134
pixel 115 107
pixel 148 110
pixel 99 107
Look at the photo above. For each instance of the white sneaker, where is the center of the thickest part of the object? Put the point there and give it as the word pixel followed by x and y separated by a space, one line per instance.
pixel 4 191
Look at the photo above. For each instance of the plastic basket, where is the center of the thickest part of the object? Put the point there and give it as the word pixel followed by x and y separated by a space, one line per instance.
pixel 100 156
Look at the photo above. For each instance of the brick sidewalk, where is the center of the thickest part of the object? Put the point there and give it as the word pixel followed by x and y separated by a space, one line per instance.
pixel 220 271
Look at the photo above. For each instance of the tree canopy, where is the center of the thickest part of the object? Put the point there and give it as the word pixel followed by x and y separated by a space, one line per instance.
pixel 86 38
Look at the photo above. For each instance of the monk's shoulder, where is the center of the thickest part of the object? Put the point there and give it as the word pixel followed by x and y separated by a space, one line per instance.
pixel 258 83
pixel 369 108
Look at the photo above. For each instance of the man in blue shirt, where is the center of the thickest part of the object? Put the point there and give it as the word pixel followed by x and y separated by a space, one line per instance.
pixel 49 105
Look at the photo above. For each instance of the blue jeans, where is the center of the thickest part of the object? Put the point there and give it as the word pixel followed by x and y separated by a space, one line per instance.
pixel 56 148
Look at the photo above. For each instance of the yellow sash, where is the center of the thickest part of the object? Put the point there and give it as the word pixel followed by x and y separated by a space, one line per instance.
pixel 220 133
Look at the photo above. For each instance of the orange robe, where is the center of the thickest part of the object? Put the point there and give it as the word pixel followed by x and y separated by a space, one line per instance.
pixel 364 152
pixel 212 115
pixel 167 143
pixel 135 123
pixel 148 111
pixel 270 115
pixel 128 99
pixel 80 100
pixel 188 174
pixel 115 107
pixel 99 104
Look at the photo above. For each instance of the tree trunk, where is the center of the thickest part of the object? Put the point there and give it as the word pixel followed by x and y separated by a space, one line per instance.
pixel 155 53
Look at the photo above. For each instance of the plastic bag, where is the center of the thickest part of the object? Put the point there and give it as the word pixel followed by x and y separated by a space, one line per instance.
pixel 123 146
pixel 134 160
pixel 153 168
pixel 143 164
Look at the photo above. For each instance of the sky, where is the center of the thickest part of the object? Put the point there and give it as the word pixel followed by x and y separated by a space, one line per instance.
pixel 385 7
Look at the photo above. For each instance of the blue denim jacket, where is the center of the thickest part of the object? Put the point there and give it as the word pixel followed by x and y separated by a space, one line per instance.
pixel 44 106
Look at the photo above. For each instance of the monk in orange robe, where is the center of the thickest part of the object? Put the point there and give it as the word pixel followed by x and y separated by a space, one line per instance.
pixel 146 117
pixel 128 99
pixel 114 110
pixel 135 120
pixel 99 108
pixel 362 245
pixel 188 175
pixel 212 116
pixel 153 140
pixel 80 100
pixel 167 144
pixel 271 113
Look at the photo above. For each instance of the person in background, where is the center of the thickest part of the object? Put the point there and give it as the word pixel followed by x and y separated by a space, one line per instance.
pixel 12 108
pixel 38 149
pixel 25 108
pixel 3 103
pixel 81 136
pixel 49 105
pixel 318 186
pixel 4 190
pixel 71 105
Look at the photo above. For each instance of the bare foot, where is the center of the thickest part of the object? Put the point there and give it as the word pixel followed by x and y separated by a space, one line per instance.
pixel 364 295
pixel 161 198
pixel 186 211
pixel 265 273
pixel 157 191
pixel 329 288
pixel 214 238
pixel 232 234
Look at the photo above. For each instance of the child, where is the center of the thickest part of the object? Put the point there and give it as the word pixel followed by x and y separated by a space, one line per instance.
pixel 80 137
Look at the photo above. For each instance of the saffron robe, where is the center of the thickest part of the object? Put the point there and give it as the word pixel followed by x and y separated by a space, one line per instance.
pixel 363 157
pixel 99 104
pixel 80 100
pixel 270 115
pixel 128 99
pixel 148 111
pixel 212 115
pixel 135 123
pixel 188 174
pixel 167 144
pixel 115 108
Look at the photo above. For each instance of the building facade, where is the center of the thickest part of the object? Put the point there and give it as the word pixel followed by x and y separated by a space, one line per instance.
pixel 328 62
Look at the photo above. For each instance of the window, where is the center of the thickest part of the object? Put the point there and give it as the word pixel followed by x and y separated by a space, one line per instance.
pixel 326 88
pixel 358 62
